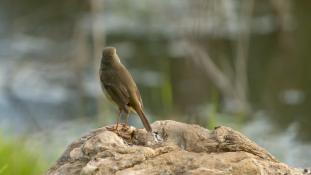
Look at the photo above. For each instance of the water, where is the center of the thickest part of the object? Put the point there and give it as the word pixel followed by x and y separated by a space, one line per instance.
pixel 283 145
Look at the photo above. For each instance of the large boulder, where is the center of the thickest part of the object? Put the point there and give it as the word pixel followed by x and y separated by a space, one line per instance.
pixel 175 148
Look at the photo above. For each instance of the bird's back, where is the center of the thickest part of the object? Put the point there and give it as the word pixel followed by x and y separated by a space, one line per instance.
pixel 117 75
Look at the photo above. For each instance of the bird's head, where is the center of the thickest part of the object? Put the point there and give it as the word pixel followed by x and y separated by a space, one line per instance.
pixel 109 52
pixel 109 55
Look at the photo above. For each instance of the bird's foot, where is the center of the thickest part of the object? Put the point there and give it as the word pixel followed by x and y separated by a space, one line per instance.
pixel 118 128
pixel 111 128
pixel 124 127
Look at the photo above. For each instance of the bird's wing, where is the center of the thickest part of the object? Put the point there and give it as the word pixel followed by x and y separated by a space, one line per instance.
pixel 118 93
pixel 127 79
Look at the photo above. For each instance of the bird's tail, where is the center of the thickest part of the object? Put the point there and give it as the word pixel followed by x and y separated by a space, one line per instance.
pixel 144 120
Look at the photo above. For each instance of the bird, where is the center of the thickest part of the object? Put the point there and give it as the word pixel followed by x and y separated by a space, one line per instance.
pixel 120 87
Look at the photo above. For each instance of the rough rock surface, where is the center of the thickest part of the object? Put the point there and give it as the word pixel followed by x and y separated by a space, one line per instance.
pixel 179 149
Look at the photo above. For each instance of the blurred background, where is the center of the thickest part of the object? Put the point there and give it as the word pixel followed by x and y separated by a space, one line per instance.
pixel 241 63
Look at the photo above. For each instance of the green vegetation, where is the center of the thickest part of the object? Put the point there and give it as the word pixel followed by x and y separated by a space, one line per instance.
pixel 15 158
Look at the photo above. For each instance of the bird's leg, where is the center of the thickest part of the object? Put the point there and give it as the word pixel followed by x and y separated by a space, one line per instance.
pixel 118 118
pixel 127 119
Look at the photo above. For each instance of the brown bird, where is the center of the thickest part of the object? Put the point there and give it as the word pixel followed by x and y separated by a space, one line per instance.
pixel 120 86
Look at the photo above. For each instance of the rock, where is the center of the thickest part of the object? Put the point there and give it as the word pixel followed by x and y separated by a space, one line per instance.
pixel 179 149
